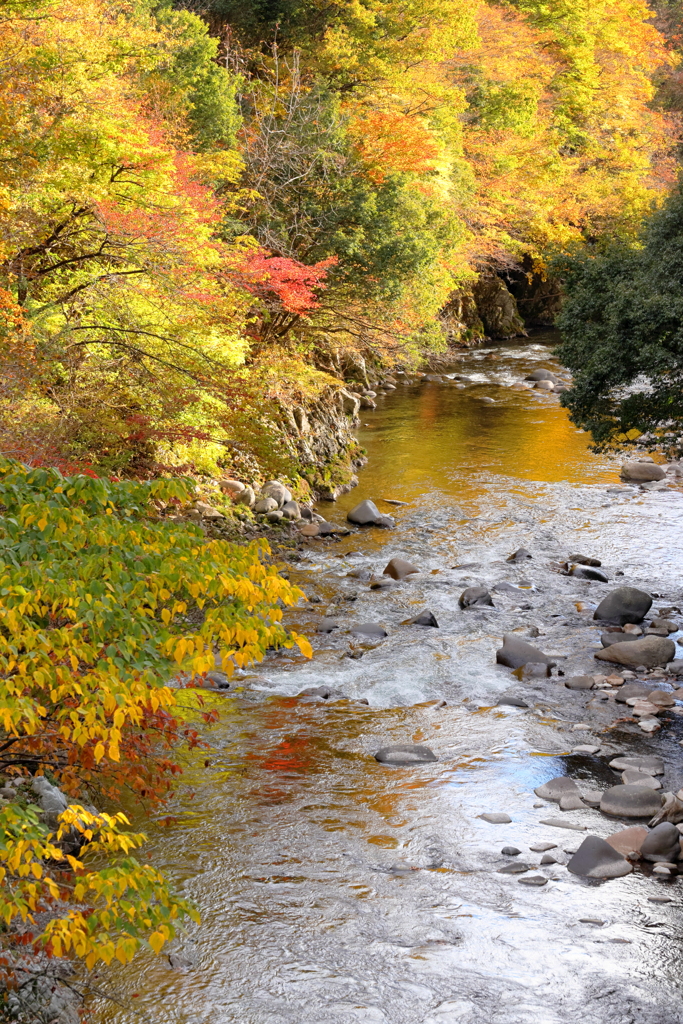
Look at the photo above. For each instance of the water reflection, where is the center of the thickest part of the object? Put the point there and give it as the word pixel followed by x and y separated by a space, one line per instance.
pixel 334 889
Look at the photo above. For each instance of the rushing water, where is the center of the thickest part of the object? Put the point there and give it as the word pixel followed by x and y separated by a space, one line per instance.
pixel 336 890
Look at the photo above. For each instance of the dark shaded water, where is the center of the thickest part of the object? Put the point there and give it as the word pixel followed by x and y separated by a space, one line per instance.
pixel 336 890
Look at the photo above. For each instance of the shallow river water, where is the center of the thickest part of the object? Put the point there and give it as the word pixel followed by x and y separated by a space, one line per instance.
pixel 336 890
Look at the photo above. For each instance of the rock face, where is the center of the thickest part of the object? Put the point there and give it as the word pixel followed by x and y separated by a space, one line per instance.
pixel 663 843
pixel 597 859
pixel 516 652
pixel 398 569
pixel 402 754
pixel 626 604
pixel 497 308
pixel 642 472
pixel 364 514
pixel 630 802
pixel 475 597
pixel 650 651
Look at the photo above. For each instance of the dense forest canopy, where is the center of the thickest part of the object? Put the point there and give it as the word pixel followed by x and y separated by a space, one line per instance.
pixel 204 203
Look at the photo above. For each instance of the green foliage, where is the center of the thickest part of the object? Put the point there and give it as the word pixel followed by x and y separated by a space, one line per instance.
pixel 622 326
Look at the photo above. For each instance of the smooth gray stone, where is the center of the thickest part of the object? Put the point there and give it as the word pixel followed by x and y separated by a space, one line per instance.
pixel 290 510
pixel 631 777
pixel 324 692
pixel 385 522
pixel 585 572
pixel 625 604
pixel 425 618
pixel 475 597
pixel 518 868
pixel 617 638
pixel 556 788
pixel 571 802
pixel 630 802
pixel 510 851
pixel 592 797
pixel 597 859
pixel 558 823
pixel 365 513
pixel 404 754
pixel 496 818
pixel 398 569
pixel 219 680
pixel 642 471
pixel 516 652
pixel 629 690
pixel 327 625
pixel 662 844
pixel 579 682
pixel 648 763
pixel 585 560
pixel 274 489
pixel 369 629
pixel 512 702
pixel 533 880
pixel 542 847
pixel 650 651
pixel 520 555
pixel 542 375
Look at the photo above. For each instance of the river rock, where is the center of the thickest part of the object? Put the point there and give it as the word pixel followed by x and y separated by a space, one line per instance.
pixel 309 530
pixel 630 690
pixel 544 385
pixel 650 764
pixel 585 572
pixel 633 778
pixel 290 510
pixel 278 491
pixel 264 505
pixel 614 637
pixel 475 597
pixel 661 698
pixel 662 843
pixel 585 560
pixel 516 868
pixel 542 375
pixel 630 802
pixel 496 818
pixel 597 859
pixel 579 682
pixel 403 754
pixel 515 653
pixel 510 851
pixel 323 692
pixel 537 880
pixel 50 799
pixel 369 629
pixel 231 487
pixel 328 625
pixel 628 840
pixel 520 555
pixel 625 604
pixel 571 802
pixel 667 624
pixel 385 522
pixel 556 788
pixel 650 651
pixel 364 514
pixel 512 702
pixel 398 569
pixel 245 497
pixel 642 471
pixel 425 618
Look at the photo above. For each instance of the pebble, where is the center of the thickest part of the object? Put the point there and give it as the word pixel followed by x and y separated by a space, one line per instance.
pixel 516 868
pixel 650 764
pixel 510 851
pixel 520 555
pixel 660 869
pixel 533 880
pixel 516 653
pixel 496 818
pixel 662 843
pixel 365 513
pixel 591 920
pixel 548 858
pixel 571 802
pixel 542 847
pixel 327 625
pixel 649 725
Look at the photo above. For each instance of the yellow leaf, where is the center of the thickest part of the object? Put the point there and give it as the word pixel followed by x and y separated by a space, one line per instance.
pixel 99 752
pixel 156 941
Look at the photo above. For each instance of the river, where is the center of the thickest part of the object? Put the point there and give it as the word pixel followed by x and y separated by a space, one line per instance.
pixel 334 889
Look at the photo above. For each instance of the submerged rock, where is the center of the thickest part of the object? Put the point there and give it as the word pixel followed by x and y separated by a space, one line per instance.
pixel 369 629
pixel 650 651
pixel 512 702
pixel 327 625
pixel 404 754
pixel 475 597
pixel 597 859
pixel 496 818
pixel 542 375
pixel 398 569
pixel 425 618
pixel 625 604
pixel 630 802
pixel 515 653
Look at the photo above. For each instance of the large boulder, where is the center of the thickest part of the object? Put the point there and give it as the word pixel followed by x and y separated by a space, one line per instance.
pixel 557 788
pixel 650 651
pixel 364 514
pixel 475 597
pixel 516 652
pixel 274 489
pixel 597 859
pixel 642 472
pixel 625 604
pixel 663 843
pixel 398 569
pixel 630 802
